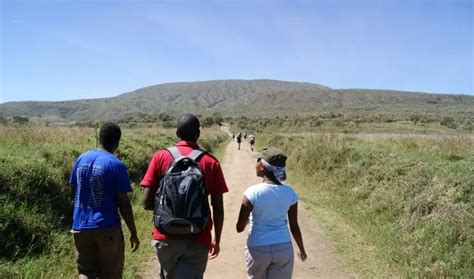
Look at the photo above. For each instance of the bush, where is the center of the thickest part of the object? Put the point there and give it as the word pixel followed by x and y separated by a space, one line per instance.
pixel 36 201
pixel 448 122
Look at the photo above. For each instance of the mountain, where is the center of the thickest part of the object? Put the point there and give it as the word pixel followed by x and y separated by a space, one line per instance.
pixel 246 97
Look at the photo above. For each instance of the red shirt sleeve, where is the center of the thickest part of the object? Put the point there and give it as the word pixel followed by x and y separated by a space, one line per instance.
pixel 155 169
pixel 215 181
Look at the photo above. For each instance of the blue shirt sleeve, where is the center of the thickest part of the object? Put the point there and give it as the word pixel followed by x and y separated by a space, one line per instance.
pixel 73 176
pixel 121 179
pixel 294 197
pixel 250 195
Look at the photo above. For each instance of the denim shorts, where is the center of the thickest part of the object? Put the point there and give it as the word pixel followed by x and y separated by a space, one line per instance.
pixel 269 261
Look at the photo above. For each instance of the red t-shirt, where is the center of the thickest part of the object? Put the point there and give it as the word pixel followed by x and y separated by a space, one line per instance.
pixel 213 180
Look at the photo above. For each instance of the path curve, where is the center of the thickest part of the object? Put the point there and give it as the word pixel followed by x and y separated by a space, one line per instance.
pixel 239 171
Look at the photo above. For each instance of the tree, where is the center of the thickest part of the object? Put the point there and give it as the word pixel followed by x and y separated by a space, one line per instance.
pixel 415 118
pixel 217 118
pixel 164 117
pixel 449 122
pixel 208 121
pixel 96 132
pixel 3 120
pixel 17 119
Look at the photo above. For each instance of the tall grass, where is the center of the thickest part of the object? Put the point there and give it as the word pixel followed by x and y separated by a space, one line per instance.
pixel 36 202
pixel 408 202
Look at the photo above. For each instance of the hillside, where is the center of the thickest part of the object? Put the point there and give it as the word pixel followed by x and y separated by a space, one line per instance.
pixel 247 97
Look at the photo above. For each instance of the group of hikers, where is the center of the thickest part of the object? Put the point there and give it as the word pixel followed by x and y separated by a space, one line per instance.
pixel 238 139
pixel 176 187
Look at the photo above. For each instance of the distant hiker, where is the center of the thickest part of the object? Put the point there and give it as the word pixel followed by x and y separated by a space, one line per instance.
pixel 238 139
pixel 269 252
pixel 101 184
pixel 245 136
pixel 181 252
pixel 251 141
pixel 233 135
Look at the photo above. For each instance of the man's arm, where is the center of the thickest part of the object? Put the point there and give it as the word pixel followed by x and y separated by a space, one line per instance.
pixel 217 202
pixel 151 181
pixel 148 200
pixel 127 213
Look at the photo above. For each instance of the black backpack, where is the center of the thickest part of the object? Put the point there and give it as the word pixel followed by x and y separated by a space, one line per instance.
pixel 181 202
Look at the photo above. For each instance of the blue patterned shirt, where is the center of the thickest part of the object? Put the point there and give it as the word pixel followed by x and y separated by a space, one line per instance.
pixel 98 177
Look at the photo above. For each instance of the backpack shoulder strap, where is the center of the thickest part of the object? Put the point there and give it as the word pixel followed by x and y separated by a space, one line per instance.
pixel 174 151
pixel 195 154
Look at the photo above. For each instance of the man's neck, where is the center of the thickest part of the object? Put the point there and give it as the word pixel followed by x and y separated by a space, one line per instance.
pixel 101 147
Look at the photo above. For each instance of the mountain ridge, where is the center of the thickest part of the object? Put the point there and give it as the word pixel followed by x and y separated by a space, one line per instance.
pixel 243 97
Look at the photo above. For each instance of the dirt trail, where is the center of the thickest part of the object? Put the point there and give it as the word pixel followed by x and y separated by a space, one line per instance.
pixel 239 171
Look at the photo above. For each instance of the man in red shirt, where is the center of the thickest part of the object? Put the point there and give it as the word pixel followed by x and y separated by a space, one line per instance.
pixel 183 257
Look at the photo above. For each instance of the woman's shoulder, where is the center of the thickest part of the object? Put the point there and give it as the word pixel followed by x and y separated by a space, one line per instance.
pixel 255 188
pixel 288 189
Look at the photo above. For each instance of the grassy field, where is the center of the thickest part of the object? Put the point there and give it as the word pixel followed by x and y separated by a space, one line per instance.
pixel 393 206
pixel 36 202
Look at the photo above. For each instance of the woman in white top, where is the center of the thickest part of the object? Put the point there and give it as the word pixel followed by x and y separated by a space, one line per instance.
pixel 269 252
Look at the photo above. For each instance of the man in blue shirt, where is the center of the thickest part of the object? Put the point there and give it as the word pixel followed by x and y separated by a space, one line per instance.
pixel 101 184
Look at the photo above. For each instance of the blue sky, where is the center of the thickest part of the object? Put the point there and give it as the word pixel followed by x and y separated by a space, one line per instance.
pixel 62 50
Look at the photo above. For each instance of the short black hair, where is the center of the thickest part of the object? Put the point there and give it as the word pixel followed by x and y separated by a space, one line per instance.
pixel 187 127
pixel 109 134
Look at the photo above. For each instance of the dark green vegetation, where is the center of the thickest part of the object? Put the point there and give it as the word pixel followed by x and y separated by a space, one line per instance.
pixel 256 98
pixel 394 207
pixel 36 201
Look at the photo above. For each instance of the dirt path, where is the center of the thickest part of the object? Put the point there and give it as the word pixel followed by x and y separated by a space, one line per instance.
pixel 239 171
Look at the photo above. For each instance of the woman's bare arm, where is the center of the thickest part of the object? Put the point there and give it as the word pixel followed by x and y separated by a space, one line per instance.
pixel 295 230
pixel 245 210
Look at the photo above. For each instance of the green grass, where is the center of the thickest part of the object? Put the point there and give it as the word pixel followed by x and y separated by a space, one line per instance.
pixel 392 207
pixel 36 202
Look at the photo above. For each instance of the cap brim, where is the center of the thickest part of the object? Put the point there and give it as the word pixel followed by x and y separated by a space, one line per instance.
pixel 257 155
